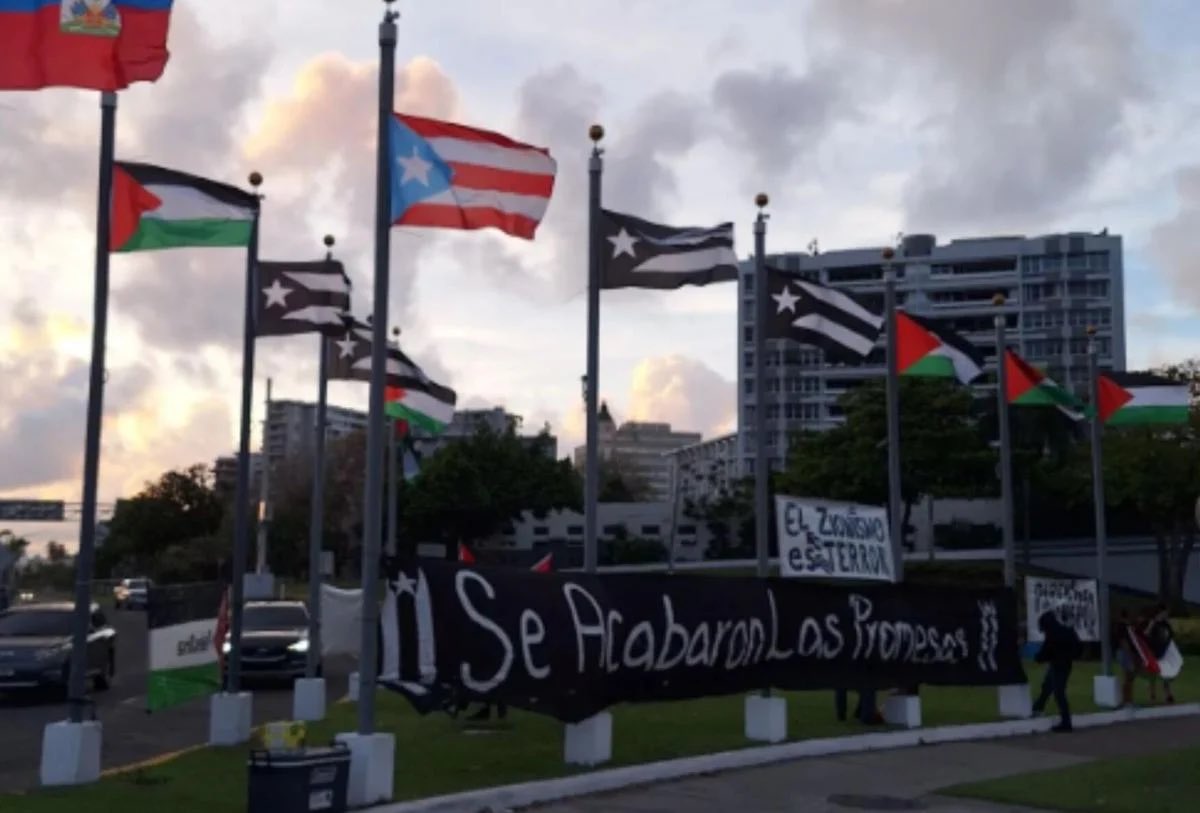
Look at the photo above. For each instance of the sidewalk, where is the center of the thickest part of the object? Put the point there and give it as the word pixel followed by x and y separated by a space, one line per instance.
pixel 903 779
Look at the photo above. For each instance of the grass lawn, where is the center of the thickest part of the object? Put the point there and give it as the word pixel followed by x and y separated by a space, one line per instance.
pixel 1161 783
pixel 435 756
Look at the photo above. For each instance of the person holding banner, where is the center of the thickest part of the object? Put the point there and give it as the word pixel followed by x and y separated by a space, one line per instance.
pixel 1059 651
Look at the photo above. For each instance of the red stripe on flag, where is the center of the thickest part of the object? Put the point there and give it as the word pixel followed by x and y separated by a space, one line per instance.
pixel 452 217
pixel 36 53
pixel 130 200
pixel 1111 397
pixel 432 128
pixel 913 342
pixel 474 176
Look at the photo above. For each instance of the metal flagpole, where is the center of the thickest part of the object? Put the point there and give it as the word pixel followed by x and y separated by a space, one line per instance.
pixel 391 486
pixel 762 469
pixel 895 499
pixel 1006 486
pixel 316 523
pixel 368 667
pixel 1098 500
pixel 591 478
pixel 85 559
pixel 241 523
pixel 264 512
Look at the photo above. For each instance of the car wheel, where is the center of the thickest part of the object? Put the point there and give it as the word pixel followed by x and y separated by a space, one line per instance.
pixel 104 679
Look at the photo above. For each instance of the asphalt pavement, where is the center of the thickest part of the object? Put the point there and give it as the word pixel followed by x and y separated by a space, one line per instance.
pixel 131 734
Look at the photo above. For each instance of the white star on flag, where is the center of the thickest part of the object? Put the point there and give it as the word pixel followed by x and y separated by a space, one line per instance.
pixel 785 301
pixel 346 346
pixel 405 585
pixel 277 294
pixel 623 243
pixel 415 168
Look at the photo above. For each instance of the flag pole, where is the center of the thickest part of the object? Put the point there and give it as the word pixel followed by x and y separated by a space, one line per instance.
pixel 1006 487
pixel 591 478
pixel 895 498
pixel 264 516
pixel 762 469
pixel 241 524
pixel 86 557
pixel 316 523
pixel 391 478
pixel 1098 501
pixel 368 667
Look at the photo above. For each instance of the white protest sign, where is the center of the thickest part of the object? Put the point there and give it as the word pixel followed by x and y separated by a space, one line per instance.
pixel 1074 601
pixel 819 539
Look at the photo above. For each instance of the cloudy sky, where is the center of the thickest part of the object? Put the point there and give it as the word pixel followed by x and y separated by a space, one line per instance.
pixel 861 118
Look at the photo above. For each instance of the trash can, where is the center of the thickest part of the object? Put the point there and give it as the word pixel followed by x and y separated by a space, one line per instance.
pixel 302 780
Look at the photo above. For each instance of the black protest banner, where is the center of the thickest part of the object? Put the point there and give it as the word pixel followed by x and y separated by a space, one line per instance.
pixel 571 645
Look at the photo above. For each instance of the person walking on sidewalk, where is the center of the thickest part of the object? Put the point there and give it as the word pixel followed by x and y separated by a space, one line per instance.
pixel 1060 648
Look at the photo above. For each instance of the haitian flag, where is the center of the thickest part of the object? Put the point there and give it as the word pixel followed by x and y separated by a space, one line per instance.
pixel 91 44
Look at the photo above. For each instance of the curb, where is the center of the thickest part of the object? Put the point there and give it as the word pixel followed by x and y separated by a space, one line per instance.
pixel 525 794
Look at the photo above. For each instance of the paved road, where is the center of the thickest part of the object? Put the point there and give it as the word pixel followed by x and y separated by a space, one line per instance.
pixel 903 779
pixel 130 733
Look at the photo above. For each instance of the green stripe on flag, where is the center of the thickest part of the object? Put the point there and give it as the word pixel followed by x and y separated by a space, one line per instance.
pixel 1149 415
pixel 397 409
pixel 933 365
pixel 170 687
pixel 155 234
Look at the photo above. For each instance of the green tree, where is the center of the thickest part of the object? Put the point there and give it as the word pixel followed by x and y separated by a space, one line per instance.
pixel 56 552
pixel 160 523
pixel 472 488
pixel 13 543
pixel 620 481
pixel 943 451
pixel 729 517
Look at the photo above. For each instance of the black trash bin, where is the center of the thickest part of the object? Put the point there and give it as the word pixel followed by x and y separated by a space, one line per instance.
pixel 305 780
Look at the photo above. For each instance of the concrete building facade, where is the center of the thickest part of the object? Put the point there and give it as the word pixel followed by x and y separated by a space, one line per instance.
pixel 641 446
pixel 1054 285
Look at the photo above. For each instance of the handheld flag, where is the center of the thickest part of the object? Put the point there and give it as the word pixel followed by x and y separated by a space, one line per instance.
pixel 448 176
pixel 157 208
pixel 544 565
pixel 1129 399
pixel 1028 386
pixel 824 317
pixel 636 253
pixel 926 347
pixel 304 297
pixel 90 44
pixel 464 554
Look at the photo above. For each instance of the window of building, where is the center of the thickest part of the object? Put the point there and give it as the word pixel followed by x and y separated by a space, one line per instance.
pixel 748 359
pixel 541 530
pixel 650 530
pixel 687 530
pixel 748 333
pixel 748 283
pixel 747 385
pixel 613 530
pixel 574 530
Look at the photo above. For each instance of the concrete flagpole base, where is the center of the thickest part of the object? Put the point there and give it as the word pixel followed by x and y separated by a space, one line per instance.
pixel 352 688
pixel 71 753
pixel 765 718
pixel 588 742
pixel 229 718
pixel 1015 701
pixel 1106 692
pixel 903 710
pixel 372 768
pixel 308 699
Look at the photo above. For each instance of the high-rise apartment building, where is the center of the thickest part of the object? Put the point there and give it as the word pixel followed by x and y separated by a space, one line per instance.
pixel 642 446
pixel 1055 286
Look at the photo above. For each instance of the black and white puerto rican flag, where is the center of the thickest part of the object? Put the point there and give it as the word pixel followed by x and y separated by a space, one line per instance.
pixel 348 357
pixel 302 297
pixel 824 317
pixel 636 253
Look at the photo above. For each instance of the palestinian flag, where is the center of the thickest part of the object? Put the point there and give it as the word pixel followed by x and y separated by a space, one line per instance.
pixel 421 404
pixel 1028 386
pixel 183 643
pixel 154 208
pixel 925 347
pixel 1128 399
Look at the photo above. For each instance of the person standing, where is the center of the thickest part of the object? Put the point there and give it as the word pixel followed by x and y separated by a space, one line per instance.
pixel 1060 649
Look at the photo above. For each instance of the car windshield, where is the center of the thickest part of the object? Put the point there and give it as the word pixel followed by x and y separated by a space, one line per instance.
pixel 274 618
pixel 35 623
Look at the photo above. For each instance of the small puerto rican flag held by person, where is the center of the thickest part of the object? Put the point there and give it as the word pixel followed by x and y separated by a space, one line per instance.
pixel 448 176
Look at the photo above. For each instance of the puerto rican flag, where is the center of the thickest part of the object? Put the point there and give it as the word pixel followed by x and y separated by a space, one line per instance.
pixel 448 176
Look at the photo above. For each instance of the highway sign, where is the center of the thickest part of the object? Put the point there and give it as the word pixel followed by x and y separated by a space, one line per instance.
pixel 32 510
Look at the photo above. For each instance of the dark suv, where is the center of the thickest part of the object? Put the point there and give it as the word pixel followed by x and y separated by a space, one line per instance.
pixel 274 639
pixel 35 647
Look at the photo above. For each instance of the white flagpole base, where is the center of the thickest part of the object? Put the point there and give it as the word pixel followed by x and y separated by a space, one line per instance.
pixel 1106 692
pixel 71 753
pixel 372 768
pixel 352 689
pixel 903 710
pixel 229 718
pixel 765 718
pixel 308 699
pixel 1015 702
pixel 588 742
